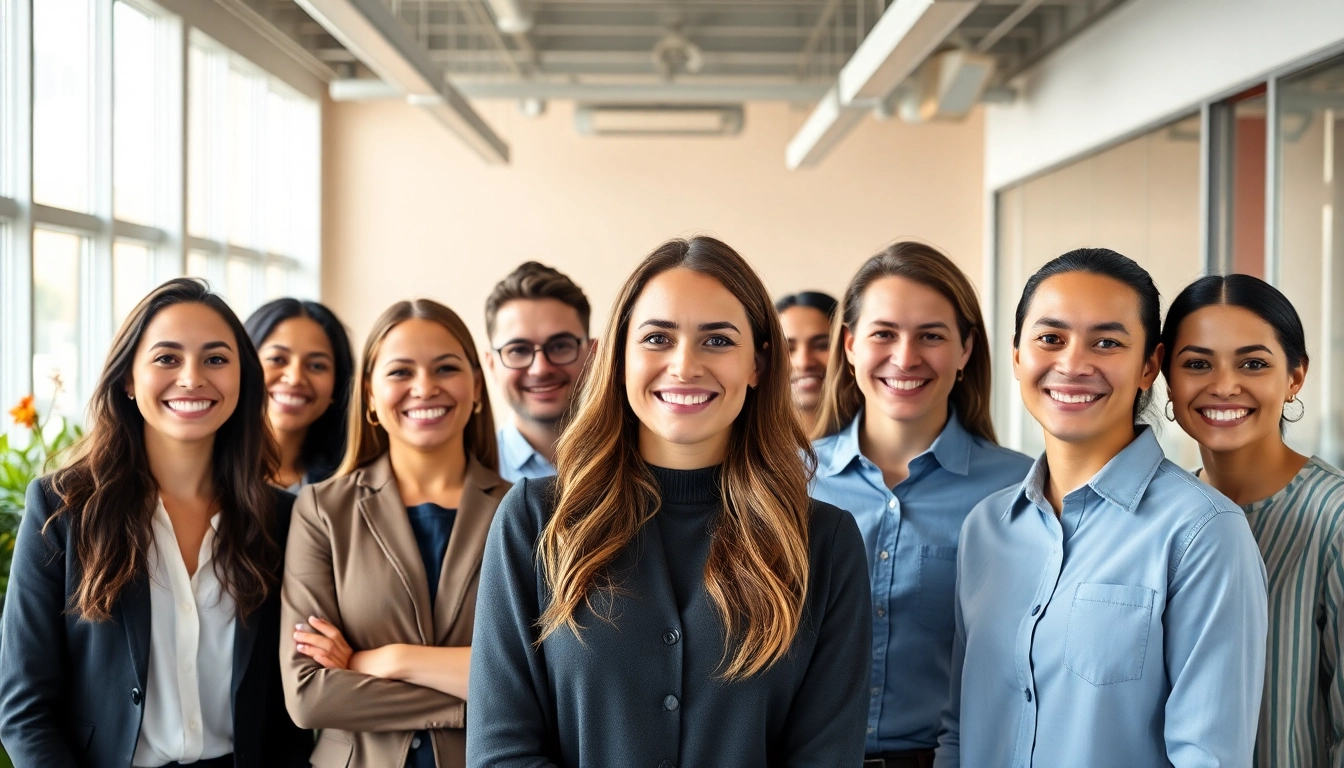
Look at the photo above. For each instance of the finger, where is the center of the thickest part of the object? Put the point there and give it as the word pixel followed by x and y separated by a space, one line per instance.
pixel 312 638
pixel 324 626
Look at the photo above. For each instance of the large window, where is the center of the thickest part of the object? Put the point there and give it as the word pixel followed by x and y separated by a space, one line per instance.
pixel 115 177
pixel 1310 185
pixel 1271 163
pixel 1141 198
pixel 253 170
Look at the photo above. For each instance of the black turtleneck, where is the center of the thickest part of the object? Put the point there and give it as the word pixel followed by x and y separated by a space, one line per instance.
pixel 690 508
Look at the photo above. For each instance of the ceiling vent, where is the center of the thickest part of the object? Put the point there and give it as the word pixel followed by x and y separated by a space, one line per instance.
pixel 658 120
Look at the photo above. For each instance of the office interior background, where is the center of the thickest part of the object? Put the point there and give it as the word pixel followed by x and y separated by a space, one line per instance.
pixel 364 151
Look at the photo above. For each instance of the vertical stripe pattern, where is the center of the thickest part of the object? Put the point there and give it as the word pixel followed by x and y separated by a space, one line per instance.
pixel 1300 531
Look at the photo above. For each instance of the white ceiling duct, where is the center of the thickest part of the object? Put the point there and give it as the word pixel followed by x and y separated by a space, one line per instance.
pixel 511 17
pixel 378 39
pixel 907 34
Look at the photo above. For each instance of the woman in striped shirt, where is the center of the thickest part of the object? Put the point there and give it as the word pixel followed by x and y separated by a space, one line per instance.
pixel 1236 360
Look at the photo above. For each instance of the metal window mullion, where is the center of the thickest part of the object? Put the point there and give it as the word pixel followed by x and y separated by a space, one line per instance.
pixel 169 258
pixel 1272 185
pixel 16 245
pixel 95 288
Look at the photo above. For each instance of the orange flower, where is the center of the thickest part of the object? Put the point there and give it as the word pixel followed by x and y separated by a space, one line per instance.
pixel 25 415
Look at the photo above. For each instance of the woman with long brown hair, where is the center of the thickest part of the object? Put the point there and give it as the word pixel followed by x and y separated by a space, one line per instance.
pixel 673 597
pixel 907 446
pixel 383 559
pixel 143 615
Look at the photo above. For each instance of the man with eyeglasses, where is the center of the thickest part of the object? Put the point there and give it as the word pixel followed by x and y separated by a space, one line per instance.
pixel 537 323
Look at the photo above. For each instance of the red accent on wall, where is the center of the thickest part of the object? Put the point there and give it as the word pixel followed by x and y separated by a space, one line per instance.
pixel 1248 196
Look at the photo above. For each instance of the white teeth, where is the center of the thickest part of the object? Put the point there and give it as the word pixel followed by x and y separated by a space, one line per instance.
pixel 289 399
pixel 1221 414
pixel 905 384
pixel 427 413
pixel 680 399
pixel 189 406
pixel 550 388
pixel 1063 398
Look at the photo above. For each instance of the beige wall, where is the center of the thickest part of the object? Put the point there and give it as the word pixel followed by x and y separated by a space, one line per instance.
pixel 408 212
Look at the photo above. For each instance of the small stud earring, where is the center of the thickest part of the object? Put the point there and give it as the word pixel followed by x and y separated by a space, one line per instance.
pixel 477 409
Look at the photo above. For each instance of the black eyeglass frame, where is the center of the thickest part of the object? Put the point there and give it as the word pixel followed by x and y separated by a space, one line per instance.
pixel 532 358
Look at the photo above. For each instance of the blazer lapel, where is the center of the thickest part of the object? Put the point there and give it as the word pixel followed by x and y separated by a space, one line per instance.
pixel 386 519
pixel 136 617
pixel 466 546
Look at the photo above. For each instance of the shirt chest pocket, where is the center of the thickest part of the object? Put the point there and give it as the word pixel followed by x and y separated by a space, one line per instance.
pixel 936 588
pixel 1107 636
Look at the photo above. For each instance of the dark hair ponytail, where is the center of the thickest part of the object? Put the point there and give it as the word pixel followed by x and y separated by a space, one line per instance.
pixel 1107 263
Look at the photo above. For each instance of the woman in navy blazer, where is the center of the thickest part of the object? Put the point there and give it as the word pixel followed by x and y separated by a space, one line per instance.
pixel 142 621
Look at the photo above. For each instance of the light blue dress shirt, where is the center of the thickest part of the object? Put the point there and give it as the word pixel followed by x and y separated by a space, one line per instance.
pixel 910 533
pixel 1129 631
pixel 517 457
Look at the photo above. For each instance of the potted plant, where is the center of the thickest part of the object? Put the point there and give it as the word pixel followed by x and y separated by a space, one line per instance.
pixel 47 437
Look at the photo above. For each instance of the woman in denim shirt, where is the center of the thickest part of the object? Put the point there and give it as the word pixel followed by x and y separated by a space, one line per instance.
pixel 908 448
pixel 1111 609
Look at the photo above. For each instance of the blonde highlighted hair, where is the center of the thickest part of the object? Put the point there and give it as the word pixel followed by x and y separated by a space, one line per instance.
pixel 367 441
pixel 757 570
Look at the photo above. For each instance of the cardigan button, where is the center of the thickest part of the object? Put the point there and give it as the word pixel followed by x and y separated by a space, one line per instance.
pixel 670 703
pixel 136 696
pixel 671 636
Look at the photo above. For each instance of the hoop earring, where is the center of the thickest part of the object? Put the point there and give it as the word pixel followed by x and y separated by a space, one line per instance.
pixel 1169 411
pixel 1301 410
pixel 371 416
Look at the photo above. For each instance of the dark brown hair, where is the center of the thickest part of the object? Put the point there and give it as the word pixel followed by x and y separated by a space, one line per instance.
pixel 533 281
pixel 369 441
pixel 758 562
pixel 108 493
pixel 926 265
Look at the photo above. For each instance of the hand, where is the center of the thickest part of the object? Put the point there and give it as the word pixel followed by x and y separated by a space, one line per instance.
pixel 326 646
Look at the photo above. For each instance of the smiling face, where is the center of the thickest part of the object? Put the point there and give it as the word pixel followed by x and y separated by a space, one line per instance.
pixel 1079 359
pixel 906 350
pixel 186 375
pixel 689 360
pixel 808 331
pixel 1229 378
pixel 300 371
pixel 540 392
pixel 422 387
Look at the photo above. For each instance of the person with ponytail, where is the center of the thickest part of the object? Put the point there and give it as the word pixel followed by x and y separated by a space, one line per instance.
pixel 143 616
pixel 907 446
pixel 673 597
pixel 1110 609
pixel 384 558
pixel 1234 376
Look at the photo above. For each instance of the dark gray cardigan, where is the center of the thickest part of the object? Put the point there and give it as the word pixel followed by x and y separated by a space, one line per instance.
pixel 642 691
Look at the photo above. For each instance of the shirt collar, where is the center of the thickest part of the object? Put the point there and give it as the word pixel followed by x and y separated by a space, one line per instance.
pixel 952 447
pixel 517 451
pixel 1121 482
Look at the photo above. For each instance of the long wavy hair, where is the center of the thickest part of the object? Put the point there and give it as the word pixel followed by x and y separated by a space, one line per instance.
pixel 367 440
pixel 841 397
pixel 108 493
pixel 757 570
pixel 324 443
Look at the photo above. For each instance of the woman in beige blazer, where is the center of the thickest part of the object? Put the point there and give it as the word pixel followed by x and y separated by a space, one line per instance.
pixel 383 560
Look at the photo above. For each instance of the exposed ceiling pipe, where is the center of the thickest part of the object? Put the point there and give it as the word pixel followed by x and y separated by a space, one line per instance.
pixel 908 32
pixel 378 39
